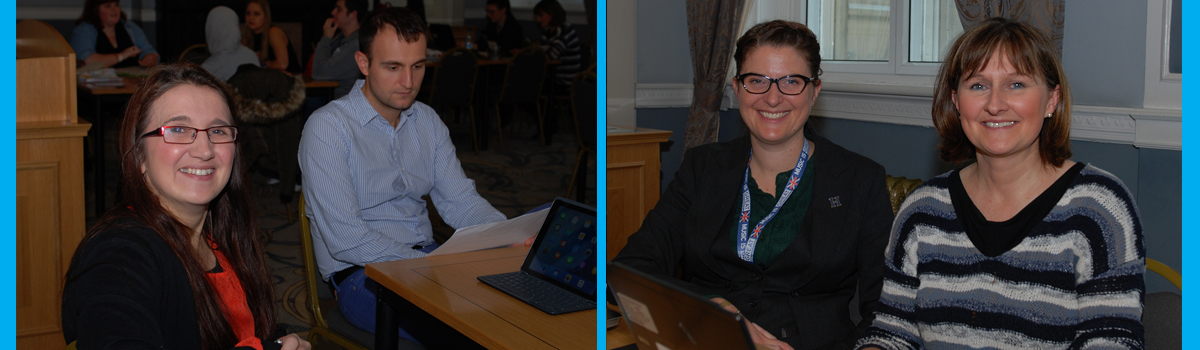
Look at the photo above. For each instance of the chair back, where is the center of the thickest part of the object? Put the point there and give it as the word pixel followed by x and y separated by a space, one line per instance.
pixel 583 103
pixel 454 81
pixel 195 54
pixel 898 189
pixel 320 326
pixel 523 78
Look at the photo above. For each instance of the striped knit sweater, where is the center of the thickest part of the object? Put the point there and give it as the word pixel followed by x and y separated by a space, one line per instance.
pixel 1075 282
pixel 562 44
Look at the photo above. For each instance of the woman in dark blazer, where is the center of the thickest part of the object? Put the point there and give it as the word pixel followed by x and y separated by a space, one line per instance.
pixel 795 276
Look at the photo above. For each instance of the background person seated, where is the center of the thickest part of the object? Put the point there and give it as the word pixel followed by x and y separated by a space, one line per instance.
pixel 103 35
pixel 268 41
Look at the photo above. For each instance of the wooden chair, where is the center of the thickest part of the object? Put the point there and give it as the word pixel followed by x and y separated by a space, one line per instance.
pixel 195 54
pixel 522 85
pixel 339 330
pixel 583 104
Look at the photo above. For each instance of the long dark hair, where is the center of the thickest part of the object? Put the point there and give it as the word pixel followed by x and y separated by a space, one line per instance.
pixel 248 34
pixel 230 226
pixel 91 13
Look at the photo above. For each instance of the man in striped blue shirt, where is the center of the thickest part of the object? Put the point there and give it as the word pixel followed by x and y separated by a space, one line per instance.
pixel 368 158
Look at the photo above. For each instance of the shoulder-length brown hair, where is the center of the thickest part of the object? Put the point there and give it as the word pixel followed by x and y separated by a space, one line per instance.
pixel 91 13
pixel 248 34
pixel 231 221
pixel 1031 53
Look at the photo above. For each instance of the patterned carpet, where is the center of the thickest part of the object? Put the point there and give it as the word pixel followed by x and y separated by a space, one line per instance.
pixel 516 180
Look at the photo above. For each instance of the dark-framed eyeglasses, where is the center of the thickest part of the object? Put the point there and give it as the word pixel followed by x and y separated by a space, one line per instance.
pixel 187 134
pixel 788 85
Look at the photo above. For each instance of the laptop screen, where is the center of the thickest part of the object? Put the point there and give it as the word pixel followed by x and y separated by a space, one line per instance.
pixel 565 251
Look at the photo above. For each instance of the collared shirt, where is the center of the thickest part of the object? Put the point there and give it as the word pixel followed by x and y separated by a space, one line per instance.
pixel 363 182
pixel 333 59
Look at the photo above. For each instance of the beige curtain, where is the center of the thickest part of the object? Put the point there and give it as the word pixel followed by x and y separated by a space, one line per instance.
pixel 1046 15
pixel 712 30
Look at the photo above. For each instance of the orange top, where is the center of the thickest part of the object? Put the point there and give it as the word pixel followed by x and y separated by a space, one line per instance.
pixel 233 302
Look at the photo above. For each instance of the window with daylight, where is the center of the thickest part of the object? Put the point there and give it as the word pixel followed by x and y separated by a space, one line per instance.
pixel 860 48
pixel 857 35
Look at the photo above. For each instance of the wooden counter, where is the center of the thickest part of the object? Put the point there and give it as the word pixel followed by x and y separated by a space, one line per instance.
pixel 634 177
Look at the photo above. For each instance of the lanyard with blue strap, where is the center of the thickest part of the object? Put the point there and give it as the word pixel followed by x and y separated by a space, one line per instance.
pixel 747 242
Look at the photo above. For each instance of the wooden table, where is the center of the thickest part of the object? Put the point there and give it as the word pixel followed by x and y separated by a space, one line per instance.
pixel 446 287
pixel 634 179
pixel 105 95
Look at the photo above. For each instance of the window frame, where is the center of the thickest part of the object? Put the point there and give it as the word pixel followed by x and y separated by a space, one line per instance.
pixel 1163 89
pixel 897 76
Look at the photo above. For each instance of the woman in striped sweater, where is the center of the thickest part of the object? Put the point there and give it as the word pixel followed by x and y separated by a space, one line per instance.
pixel 1024 248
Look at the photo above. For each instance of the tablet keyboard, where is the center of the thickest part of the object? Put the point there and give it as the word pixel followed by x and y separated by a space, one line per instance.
pixel 543 295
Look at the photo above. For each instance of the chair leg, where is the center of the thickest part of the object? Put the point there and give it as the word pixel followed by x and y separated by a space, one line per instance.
pixel 499 128
pixel 541 123
pixel 583 176
pixel 575 173
pixel 474 135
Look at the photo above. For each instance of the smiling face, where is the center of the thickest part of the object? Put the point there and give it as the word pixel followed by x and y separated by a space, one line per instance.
pixel 394 72
pixel 543 19
pixel 1001 110
pixel 187 177
pixel 255 17
pixel 110 13
pixel 772 117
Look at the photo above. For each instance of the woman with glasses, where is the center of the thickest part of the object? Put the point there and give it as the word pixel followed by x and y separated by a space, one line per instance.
pixel 781 225
pixel 1022 248
pixel 178 262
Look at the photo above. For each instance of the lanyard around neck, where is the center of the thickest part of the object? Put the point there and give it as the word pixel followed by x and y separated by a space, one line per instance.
pixel 746 240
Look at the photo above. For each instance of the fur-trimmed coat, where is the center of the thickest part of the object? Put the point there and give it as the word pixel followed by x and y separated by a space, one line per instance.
pixel 264 95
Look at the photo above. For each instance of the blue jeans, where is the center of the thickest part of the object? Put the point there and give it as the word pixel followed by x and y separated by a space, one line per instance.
pixel 356 298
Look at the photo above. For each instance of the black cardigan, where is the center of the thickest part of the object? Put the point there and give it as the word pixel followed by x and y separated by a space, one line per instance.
pixel 838 252
pixel 125 289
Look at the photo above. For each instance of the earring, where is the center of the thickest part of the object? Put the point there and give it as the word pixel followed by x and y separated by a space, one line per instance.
pixel 1048 115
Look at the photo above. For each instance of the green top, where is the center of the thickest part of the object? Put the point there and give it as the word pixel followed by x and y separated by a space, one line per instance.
pixel 778 233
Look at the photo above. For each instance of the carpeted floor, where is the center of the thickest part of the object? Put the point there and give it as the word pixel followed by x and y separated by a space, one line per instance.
pixel 516 180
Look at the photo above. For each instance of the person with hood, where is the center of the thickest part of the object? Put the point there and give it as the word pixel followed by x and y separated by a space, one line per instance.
pixel 225 44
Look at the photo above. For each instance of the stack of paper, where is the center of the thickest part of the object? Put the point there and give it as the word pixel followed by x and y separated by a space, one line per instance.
pixel 493 235
pixel 99 77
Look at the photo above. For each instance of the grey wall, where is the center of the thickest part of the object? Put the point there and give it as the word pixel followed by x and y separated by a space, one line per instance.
pixel 662 43
pixel 1104 50
pixel 1104 46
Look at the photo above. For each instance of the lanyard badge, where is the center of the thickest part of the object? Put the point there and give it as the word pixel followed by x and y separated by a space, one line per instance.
pixel 746 239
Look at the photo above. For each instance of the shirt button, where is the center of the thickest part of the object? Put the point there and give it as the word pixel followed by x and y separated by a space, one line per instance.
pixel 795 294
pixel 758 277
pixel 753 302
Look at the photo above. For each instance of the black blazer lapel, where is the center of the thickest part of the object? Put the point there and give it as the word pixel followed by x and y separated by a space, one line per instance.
pixel 822 221
pixel 721 196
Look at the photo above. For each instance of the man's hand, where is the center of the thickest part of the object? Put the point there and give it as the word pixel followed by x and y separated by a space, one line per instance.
pixel 758 335
pixel 294 342
pixel 528 242
pixel 329 29
pixel 148 60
